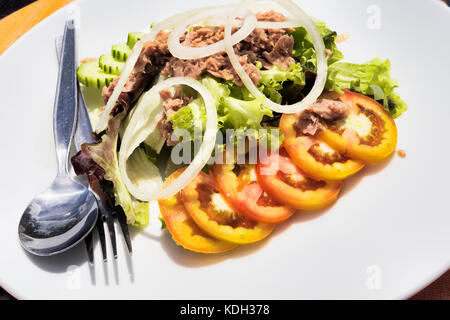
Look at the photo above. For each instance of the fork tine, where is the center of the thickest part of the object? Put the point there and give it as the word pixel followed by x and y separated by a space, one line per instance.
pixel 101 235
pixel 112 232
pixel 124 226
pixel 89 247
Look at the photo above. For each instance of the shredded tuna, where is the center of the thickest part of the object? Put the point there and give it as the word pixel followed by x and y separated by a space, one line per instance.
pixel 308 123
pixel 171 104
pixel 270 16
pixel 281 53
pixel 330 109
pixel 269 46
pixel 323 109
pixel 152 59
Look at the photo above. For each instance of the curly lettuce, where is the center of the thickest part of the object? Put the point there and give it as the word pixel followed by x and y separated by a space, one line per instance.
pixel 372 79
pixel 285 86
pixel 277 84
pixel 235 109
pixel 304 51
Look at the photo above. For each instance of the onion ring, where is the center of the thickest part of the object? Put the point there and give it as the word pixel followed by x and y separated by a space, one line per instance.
pixel 132 138
pixel 319 46
pixel 217 22
pixel 187 53
pixel 134 56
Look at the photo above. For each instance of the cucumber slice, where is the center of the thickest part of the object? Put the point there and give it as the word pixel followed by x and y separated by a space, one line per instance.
pixel 120 51
pixel 91 76
pixel 110 65
pixel 134 37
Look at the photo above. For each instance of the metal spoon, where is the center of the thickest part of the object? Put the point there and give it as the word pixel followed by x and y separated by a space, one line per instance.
pixel 66 212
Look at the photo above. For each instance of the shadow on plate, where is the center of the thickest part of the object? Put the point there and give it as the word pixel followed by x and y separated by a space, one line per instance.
pixel 77 257
pixel 60 263
pixel 190 259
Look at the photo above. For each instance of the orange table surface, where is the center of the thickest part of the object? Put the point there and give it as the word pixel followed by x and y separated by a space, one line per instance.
pixel 18 23
pixel 15 25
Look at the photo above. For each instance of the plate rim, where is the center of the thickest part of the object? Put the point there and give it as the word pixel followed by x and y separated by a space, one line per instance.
pixel 418 286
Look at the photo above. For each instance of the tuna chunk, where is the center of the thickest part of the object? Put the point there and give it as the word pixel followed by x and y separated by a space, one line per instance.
pixel 270 16
pixel 171 104
pixel 330 109
pixel 323 109
pixel 308 123
pixel 281 55
pixel 152 59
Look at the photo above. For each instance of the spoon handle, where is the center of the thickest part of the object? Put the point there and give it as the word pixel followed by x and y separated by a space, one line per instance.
pixel 65 109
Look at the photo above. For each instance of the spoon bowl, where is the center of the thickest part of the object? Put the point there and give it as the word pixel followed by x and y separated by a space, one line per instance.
pixel 58 218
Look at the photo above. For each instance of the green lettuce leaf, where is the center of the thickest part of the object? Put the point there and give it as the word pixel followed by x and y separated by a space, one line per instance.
pixel 151 153
pixel 236 109
pixel 241 114
pixel 276 80
pixel 141 212
pixel 372 79
pixel 216 88
pixel 304 51
pixel 233 111
pixel 105 155
pixel 184 118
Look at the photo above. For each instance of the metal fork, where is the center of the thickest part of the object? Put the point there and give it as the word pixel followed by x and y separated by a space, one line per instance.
pixel 106 212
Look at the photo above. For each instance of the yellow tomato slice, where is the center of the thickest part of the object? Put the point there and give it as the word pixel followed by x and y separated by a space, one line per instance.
pixel 368 133
pixel 183 228
pixel 286 183
pixel 315 157
pixel 212 213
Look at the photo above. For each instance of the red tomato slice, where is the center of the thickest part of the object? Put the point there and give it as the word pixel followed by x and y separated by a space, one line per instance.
pixel 240 186
pixel 287 184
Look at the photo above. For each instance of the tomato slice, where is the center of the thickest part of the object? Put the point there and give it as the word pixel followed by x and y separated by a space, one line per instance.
pixel 211 212
pixel 183 228
pixel 286 183
pixel 315 157
pixel 368 133
pixel 240 186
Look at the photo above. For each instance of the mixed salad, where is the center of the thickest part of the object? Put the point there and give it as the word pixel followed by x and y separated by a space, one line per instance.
pixel 233 118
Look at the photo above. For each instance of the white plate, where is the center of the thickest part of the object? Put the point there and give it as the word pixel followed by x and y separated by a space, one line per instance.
pixel 387 236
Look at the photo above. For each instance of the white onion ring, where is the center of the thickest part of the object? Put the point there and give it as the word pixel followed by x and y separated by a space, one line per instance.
pixel 132 59
pixel 187 53
pixel 288 24
pixel 217 22
pixel 319 46
pixel 200 159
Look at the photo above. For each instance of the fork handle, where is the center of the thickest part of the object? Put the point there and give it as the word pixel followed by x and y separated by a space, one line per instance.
pixel 65 109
